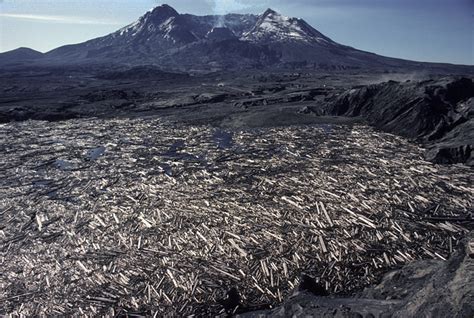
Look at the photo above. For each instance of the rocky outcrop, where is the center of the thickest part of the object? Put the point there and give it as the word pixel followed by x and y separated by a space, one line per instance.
pixel 438 113
pixel 22 113
pixel 457 144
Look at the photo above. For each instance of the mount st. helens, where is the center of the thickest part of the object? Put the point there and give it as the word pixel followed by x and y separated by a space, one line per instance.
pixel 185 42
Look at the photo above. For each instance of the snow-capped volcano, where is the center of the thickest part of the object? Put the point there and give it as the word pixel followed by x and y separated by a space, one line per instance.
pixel 168 39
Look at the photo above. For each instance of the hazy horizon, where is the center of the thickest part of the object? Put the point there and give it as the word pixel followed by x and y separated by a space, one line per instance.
pixel 428 30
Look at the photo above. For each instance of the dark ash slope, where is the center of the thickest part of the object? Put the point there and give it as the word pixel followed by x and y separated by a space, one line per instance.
pixel 438 113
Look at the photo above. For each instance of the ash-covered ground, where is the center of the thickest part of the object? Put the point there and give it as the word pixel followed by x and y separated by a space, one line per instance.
pixel 147 216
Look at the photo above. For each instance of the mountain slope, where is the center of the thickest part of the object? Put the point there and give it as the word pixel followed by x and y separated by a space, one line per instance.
pixel 438 113
pixel 21 54
pixel 273 27
pixel 165 38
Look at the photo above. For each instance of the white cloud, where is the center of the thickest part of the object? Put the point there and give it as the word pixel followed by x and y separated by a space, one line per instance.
pixel 56 19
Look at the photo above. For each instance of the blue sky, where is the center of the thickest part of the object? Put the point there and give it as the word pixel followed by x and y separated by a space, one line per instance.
pixel 424 30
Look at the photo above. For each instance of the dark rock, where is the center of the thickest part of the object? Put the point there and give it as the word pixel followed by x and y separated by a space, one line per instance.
pixel 447 154
pixel 431 112
pixel 114 94
pixel 210 98
pixel 410 109
pixel 310 285
pixel 231 301
pixel 309 110
pixel 220 34
pixel 21 115
pixel 457 144
pixel 305 110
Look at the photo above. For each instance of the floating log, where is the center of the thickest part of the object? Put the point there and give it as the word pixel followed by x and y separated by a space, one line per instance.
pixel 166 221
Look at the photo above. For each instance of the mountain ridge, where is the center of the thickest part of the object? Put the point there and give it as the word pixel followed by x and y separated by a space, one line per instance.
pixel 22 54
pixel 166 38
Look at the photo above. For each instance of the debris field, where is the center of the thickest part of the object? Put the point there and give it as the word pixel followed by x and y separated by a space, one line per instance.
pixel 102 217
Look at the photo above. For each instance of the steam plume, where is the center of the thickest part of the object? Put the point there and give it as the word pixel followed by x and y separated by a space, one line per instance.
pixel 223 7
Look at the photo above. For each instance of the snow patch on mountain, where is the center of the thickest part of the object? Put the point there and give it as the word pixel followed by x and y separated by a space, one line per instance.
pixel 157 19
pixel 167 27
pixel 273 26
